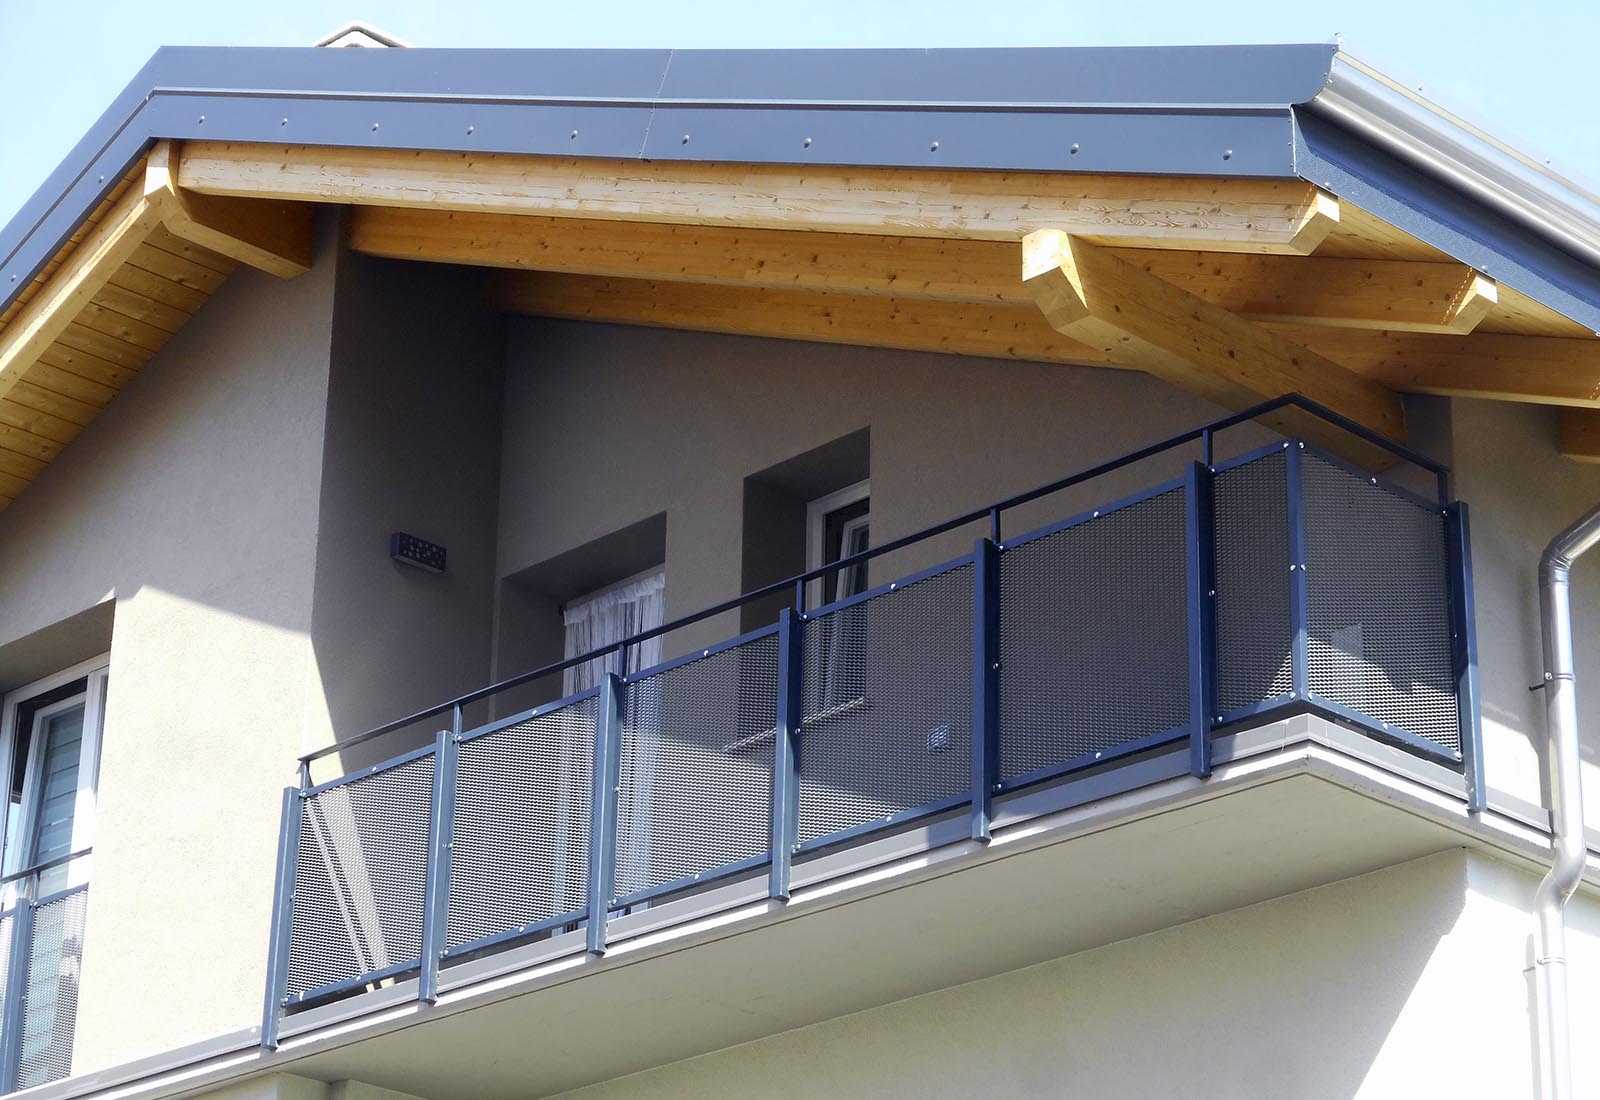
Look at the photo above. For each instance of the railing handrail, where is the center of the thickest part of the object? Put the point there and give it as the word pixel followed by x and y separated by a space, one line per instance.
pixel 992 512
pixel 45 866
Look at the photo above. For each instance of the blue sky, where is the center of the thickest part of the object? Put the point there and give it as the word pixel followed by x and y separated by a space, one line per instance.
pixel 1522 70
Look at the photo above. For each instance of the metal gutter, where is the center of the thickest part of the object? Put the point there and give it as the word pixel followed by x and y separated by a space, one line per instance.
pixel 1447 147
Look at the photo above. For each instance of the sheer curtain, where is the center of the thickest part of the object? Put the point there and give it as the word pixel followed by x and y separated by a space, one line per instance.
pixel 594 622
pixel 607 617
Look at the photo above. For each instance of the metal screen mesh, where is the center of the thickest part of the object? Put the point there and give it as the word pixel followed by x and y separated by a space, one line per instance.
pixel 1378 597
pixel 520 846
pixel 360 878
pixel 1094 636
pixel 696 766
pixel 50 1001
pixel 887 720
pixel 1251 517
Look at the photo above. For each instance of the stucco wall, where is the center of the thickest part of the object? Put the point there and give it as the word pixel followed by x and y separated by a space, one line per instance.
pixel 192 502
pixel 1522 492
pixel 607 425
pixel 1404 982
pixel 413 445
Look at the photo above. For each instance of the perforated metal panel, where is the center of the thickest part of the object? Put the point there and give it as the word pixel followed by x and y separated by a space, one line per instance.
pixel 1094 636
pixel 1378 597
pixel 887 720
pixel 360 877
pixel 50 1000
pixel 696 766
pixel 1251 518
pixel 520 846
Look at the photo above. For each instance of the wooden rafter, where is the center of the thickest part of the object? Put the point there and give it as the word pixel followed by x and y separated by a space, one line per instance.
pixel 1231 215
pixel 1578 434
pixel 271 235
pixel 1547 370
pixel 90 266
pixel 914 324
pixel 1397 295
pixel 1138 320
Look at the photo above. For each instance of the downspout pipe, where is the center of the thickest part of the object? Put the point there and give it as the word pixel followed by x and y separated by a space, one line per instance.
pixel 1566 805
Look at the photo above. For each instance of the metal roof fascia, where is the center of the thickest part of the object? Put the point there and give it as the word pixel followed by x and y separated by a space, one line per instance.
pixel 1372 143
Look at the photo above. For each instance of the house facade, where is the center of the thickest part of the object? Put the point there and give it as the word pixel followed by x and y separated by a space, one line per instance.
pixel 611 574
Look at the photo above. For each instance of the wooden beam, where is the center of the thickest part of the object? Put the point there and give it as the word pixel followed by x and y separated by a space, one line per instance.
pixel 86 270
pixel 272 235
pixel 1579 434
pixel 1547 370
pixel 1395 295
pixel 1516 368
pixel 1339 292
pixel 1399 295
pixel 957 328
pixel 1138 320
pixel 1228 215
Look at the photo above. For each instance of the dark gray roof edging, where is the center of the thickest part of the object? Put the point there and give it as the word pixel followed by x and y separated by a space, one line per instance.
pixel 1222 110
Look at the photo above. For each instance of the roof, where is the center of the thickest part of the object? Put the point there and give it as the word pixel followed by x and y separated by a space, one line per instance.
pixel 1305 111
pixel 1243 222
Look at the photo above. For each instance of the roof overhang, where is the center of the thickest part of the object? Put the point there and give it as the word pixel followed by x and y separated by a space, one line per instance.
pixel 892 198
pixel 1306 111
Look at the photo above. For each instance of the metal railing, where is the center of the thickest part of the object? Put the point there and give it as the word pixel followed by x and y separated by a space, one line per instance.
pixel 1282 580
pixel 41 957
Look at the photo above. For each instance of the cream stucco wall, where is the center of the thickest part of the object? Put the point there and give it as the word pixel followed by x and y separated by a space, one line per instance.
pixel 192 502
pixel 1407 982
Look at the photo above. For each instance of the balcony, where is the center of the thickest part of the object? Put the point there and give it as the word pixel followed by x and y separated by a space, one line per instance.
pixel 1281 581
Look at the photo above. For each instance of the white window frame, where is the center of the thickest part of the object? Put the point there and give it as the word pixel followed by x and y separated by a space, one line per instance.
pixel 95 672
pixel 817 513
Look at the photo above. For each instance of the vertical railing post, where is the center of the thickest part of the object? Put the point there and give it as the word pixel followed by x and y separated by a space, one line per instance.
pixel 985 683
pixel 603 809
pixel 1299 607
pixel 1464 647
pixel 282 915
pixel 436 884
pixel 786 752
pixel 16 988
pixel 1201 579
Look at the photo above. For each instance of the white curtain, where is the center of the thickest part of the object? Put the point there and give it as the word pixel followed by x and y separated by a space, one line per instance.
pixel 594 622
pixel 605 618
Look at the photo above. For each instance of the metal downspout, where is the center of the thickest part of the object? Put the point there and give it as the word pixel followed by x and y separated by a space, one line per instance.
pixel 1566 806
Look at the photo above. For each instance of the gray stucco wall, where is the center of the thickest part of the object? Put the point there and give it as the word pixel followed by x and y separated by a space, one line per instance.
pixel 192 502
pixel 413 431
pixel 607 425
pixel 1522 492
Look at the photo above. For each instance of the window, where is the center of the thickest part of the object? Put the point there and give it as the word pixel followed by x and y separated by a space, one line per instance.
pixel 49 752
pixel 838 526
pixel 592 622
pixel 606 617
pixel 50 745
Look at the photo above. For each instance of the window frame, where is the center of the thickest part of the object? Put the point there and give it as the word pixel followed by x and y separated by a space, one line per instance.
pixel 817 512
pixel 95 672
